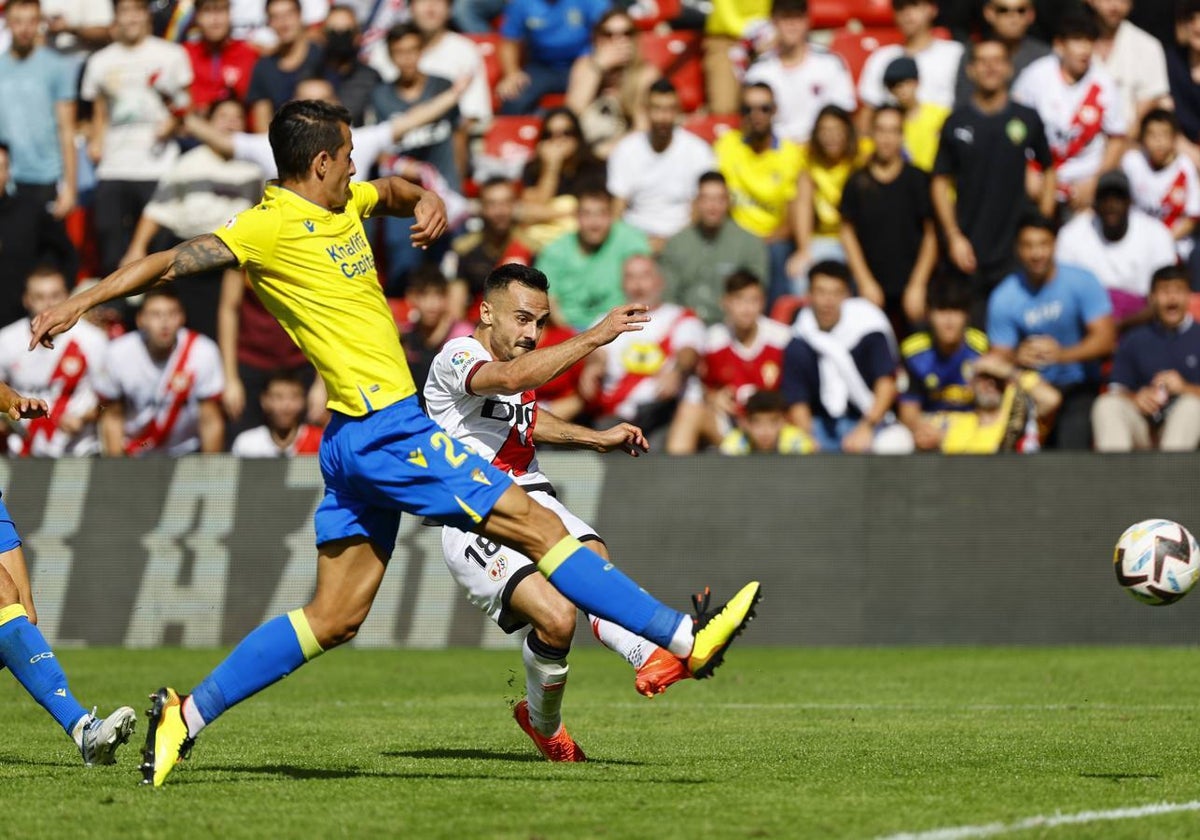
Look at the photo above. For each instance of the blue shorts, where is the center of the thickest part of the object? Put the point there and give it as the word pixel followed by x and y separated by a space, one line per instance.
pixel 9 539
pixel 393 460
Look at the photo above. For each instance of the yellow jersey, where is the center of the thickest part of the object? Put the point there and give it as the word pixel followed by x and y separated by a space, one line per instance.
pixel 965 435
pixel 761 184
pixel 314 271
pixel 923 132
pixel 828 184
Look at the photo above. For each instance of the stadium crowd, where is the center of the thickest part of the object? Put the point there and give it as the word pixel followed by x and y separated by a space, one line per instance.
pixel 859 227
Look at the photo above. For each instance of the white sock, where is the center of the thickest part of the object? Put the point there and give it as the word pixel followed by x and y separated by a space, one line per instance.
pixel 683 641
pixel 634 648
pixel 545 679
pixel 191 716
pixel 77 729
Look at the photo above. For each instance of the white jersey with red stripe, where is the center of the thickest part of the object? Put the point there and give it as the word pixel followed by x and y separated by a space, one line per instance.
pixel 634 359
pixel 1170 193
pixel 63 376
pixel 1079 116
pixel 258 443
pixel 746 368
pixel 499 428
pixel 165 393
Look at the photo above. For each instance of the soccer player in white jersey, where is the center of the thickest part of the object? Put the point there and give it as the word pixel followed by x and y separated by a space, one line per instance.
pixel 161 385
pixel 1079 104
pixel 62 376
pixel 481 390
pixel 1163 182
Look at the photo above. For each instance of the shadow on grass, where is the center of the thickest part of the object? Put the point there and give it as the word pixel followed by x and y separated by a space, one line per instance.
pixel 1121 777
pixel 492 755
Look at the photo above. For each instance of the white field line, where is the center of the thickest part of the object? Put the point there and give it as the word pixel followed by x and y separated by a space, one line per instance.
pixel 966 832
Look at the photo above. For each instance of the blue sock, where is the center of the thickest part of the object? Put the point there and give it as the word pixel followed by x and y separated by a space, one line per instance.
pixel 24 650
pixel 600 588
pixel 267 655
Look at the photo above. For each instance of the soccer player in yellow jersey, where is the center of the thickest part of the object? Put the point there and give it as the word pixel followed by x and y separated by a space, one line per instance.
pixel 308 259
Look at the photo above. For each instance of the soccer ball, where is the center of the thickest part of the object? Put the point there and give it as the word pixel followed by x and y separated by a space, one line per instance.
pixel 1157 561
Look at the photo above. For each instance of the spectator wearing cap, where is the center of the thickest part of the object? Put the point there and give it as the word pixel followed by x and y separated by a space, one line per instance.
pixel 1081 107
pixel 1120 245
pixel 804 76
pixel 839 371
pixel 763 428
pixel 1009 22
pixel 1133 57
pixel 938 59
pixel 1055 319
pixel 1153 398
pixel 653 174
pixel 979 174
pixel 887 226
pixel 762 170
pixel 553 34
pixel 936 362
pixel 697 260
pixel 923 121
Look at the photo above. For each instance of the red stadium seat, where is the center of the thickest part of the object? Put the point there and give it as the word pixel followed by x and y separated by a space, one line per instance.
pixel 787 307
pixel 829 14
pixel 552 100
pixel 679 56
pixel 855 47
pixel 871 12
pixel 711 126
pixel 488 45
pixel 648 14
pixel 510 138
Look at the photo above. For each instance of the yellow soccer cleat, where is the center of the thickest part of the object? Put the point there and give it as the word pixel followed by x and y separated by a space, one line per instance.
pixel 715 631
pixel 167 741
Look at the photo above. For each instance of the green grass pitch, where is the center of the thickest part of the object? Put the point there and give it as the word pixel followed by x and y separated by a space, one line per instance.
pixel 783 743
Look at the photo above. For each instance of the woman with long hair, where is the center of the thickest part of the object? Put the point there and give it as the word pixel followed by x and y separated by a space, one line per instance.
pixel 561 166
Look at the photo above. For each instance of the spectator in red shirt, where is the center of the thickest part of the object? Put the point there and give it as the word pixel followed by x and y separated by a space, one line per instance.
pixel 742 356
pixel 221 66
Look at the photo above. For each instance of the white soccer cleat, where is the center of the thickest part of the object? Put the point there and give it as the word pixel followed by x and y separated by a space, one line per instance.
pixel 102 736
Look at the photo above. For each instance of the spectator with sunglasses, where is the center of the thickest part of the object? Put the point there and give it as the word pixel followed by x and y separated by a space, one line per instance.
pixel 761 170
pixel 1009 21
pixel 562 166
pixel 609 86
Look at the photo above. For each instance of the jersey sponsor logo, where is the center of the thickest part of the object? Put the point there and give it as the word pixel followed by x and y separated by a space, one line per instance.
pixel 353 256
pixel 1039 315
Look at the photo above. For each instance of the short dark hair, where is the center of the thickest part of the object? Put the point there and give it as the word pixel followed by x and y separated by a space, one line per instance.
pixel 1170 272
pixel 303 129
pixel 497 181
pixel 403 30
pixel 974 48
pixel 663 86
pixel 46 270
pixel 266 3
pixel 759 86
pixel 228 98
pixel 947 291
pixel 164 291
pixel 741 279
pixel 503 276
pixel 711 177
pixel 1077 24
pixel 836 269
pixel 1186 10
pixel 897 5
pixel 1158 115
pixel 765 402
pixel 200 4
pixel 596 190
pixel 12 4
pixel 779 8
pixel 1034 219
pixel 425 277
pixel 886 108
pixel 286 376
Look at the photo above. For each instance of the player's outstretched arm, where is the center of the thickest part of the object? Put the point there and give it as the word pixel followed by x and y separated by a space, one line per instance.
pixel 18 407
pixel 398 197
pixel 196 256
pixel 537 367
pixel 624 436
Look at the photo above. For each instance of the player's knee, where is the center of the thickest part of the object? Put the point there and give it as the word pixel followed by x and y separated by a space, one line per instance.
pixel 557 627
pixel 337 628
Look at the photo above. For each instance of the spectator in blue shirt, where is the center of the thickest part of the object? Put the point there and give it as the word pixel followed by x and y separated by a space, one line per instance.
pixel 554 33
pixel 839 372
pixel 37 112
pixel 937 361
pixel 1057 320
pixel 1153 400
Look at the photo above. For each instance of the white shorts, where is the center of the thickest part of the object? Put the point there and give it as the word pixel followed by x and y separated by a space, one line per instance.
pixel 489 572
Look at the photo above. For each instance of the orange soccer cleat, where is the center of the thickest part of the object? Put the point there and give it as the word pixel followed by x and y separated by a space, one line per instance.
pixel 661 670
pixel 560 747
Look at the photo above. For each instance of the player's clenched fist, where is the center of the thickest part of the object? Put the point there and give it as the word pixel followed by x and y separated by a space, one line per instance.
pixel 430 213
pixel 628 317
